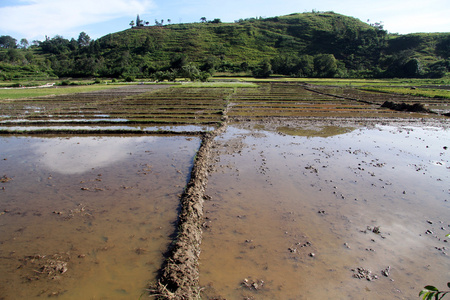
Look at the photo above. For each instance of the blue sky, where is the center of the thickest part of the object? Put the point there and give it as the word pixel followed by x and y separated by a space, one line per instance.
pixel 34 19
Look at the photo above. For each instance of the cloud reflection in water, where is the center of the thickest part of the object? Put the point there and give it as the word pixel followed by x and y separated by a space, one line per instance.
pixel 78 155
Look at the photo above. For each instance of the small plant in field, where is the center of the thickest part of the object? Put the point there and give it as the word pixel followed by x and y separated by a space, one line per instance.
pixel 431 292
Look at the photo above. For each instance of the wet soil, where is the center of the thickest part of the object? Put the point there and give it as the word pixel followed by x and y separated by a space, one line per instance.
pixel 135 107
pixel 311 194
pixel 359 210
pixel 88 217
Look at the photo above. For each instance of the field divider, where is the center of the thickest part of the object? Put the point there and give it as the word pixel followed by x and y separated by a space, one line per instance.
pixel 308 88
pixel 179 277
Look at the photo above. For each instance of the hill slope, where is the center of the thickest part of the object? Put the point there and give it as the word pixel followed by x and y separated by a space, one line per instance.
pixel 306 44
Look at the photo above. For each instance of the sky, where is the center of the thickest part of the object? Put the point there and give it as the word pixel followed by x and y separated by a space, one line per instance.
pixel 36 19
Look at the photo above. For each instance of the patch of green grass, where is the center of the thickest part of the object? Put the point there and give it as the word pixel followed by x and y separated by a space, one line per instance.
pixel 20 93
pixel 421 92
pixel 218 84
pixel 352 82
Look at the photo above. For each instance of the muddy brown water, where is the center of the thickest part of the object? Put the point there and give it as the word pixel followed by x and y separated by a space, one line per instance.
pixel 295 216
pixel 296 206
pixel 88 217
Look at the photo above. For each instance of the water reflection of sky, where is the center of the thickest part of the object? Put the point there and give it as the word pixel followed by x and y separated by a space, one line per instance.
pixel 77 155
pixel 178 128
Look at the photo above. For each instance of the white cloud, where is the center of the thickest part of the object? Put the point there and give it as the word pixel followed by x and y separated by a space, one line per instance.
pixel 38 17
pixel 35 18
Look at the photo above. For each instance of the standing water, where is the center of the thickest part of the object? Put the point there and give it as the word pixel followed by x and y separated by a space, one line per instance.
pixel 361 214
pixel 88 217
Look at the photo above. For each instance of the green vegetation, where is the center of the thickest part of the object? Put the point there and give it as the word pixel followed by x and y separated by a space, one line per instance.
pixel 218 85
pixel 317 44
pixel 39 92
pixel 421 92
pixel 431 292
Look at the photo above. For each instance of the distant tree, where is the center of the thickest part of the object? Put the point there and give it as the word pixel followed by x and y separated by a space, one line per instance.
pixel 56 45
pixel 24 43
pixel 377 25
pixel 29 56
pixel 14 55
pixel 215 21
pixel 210 64
pixel 139 22
pixel 203 19
pixel 169 21
pixel 178 61
pixel 244 66
pixel 132 23
pixel 305 67
pixel 73 44
pixel 83 39
pixel 412 68
pixel 263 70
pixel 285 64
pixel 190 71
pixel 325 65
pixel 164 75
pixel 8 42
pixel 403 64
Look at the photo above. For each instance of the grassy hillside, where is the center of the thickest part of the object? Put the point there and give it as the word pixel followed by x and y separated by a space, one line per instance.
pixel 300 45
pixel 249 41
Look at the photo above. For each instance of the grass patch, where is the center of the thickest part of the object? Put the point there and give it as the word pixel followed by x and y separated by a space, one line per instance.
pixel 218 84
pixel 352 82
pixel 20 93
pixel 420 92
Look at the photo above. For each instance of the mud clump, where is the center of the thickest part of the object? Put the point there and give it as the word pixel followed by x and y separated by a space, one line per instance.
pixel 416 107
pixel 252 284
pixel 362 273
pixel 180 274
pixel 42 266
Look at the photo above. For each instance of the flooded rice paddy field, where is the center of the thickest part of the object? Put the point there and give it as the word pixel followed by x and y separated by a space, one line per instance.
pixel 88 217
pixel 295 216
pixel 313 192
pixel 307 101
pixel 133 107
pixel 437 105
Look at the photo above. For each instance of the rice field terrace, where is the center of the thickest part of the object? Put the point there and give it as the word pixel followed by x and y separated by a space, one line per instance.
pixel 144 108
pixel 297 100
pixel 379 95
pixel 132 108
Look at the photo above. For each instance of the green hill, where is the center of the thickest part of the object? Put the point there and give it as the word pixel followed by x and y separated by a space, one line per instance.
pixel 304 45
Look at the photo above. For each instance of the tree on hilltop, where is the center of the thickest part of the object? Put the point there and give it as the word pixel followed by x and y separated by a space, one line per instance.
pixel 24 43
pixel 8 42
pixel 84 39
pixel 139 22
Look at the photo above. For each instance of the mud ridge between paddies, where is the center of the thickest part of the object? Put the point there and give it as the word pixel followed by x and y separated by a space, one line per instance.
pixel 180 273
